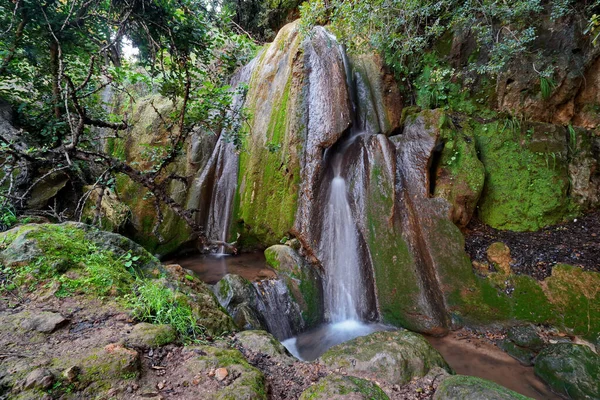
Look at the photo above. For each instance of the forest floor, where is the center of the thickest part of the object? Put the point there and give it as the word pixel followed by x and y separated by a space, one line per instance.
pixel 576 243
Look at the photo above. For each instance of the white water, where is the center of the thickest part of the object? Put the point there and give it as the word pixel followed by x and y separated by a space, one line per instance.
pixel 339 248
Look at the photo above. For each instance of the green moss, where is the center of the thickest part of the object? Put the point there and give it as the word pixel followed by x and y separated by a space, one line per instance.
pixel 526 178
pixel 337 385
pixel 461 386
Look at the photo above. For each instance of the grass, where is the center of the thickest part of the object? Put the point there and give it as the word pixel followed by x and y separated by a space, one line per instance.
pixel 154 303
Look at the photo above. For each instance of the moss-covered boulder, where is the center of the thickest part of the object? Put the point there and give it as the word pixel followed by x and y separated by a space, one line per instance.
pixel 241 381
pixel 303 281
pixel 337 387
pixel 145 335
pixel 264 343
pixel 570 369
pixel 460 387
pixel 238 296
pixel 458 175
pixel 526 174
pixel 108 211
pixel 396 357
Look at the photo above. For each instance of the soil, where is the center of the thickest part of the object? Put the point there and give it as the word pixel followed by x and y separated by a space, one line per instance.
pixel 576 243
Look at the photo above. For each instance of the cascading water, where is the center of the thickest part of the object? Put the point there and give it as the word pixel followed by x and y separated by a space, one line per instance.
pixel 339 251
pixel 344 287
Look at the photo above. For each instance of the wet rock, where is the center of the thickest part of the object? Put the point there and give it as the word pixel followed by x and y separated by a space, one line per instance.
pixel 523 355
pixel 302 279
pixel 570 369
pixel 146 335
pixel 40 378
pixel 498 254
pixel 396 357
pixel 460 387
pixel 526 336
pixel 238 296
pixel 45 322
pixel 263 342
pixel 337 387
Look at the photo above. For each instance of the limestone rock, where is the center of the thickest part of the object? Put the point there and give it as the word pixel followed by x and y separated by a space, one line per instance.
pixel 396 357
pixel 460 387
pixel 45 322
pixel 570 369
pixel 146 335
pixel 338 387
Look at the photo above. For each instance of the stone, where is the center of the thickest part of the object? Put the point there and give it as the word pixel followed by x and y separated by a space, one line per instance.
pixel 45 322
pixel 70 374
pixel 338 387
pixel 221 373
pixel 40 378
pixel 249 382
pixel 526 336
pixel 302 279
pixel 123 359
pixel 570 369
pixel 46 189
pixel 145 335
pixel 395 357
pixel 238 296
pixel 460 387
pixel 264 343
pixel 523 355
pixel 498 254
pixel 113 213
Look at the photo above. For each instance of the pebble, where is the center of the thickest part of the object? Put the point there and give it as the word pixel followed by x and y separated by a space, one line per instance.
pixel 221 374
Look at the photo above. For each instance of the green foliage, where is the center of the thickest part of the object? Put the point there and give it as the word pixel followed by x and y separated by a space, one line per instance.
pixel 157 304
pixel 403 30
pixel 8 217
pixel 547 85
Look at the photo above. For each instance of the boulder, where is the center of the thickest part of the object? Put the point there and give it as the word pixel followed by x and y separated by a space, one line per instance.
pixel 40 378
pixel 460 387
pixel 238 296
pixel 338 387
pixel 395 357
pixel 43 321
pixel 264 343
pixel 526 336
pixel 302 279
pixel 570 369
pixel 498 254
pixel 144 335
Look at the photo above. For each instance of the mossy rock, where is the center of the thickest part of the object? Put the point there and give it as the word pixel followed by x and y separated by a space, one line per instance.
pixel 336 387
pixel 263 342
pixel 249 382
pixel 571 370
pixel 302 279
pixel 526 175
pixel 526 336
pixel 238 296
pixel 521 354
pixel 461 387
pixel 146 335
pixel 396 357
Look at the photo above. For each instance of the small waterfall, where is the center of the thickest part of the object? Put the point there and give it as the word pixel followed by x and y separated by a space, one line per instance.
pixel 344 284
pixel 221 202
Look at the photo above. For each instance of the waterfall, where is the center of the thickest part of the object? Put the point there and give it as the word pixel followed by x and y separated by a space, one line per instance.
pixel 344 284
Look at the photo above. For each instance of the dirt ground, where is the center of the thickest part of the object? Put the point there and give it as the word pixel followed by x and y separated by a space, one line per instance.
pixel 576 242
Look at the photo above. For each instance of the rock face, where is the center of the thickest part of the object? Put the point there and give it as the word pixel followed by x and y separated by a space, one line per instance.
pixel 302 279
pixel 343 387
pixel 460 387
pixel 396 357
pixel 570 369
